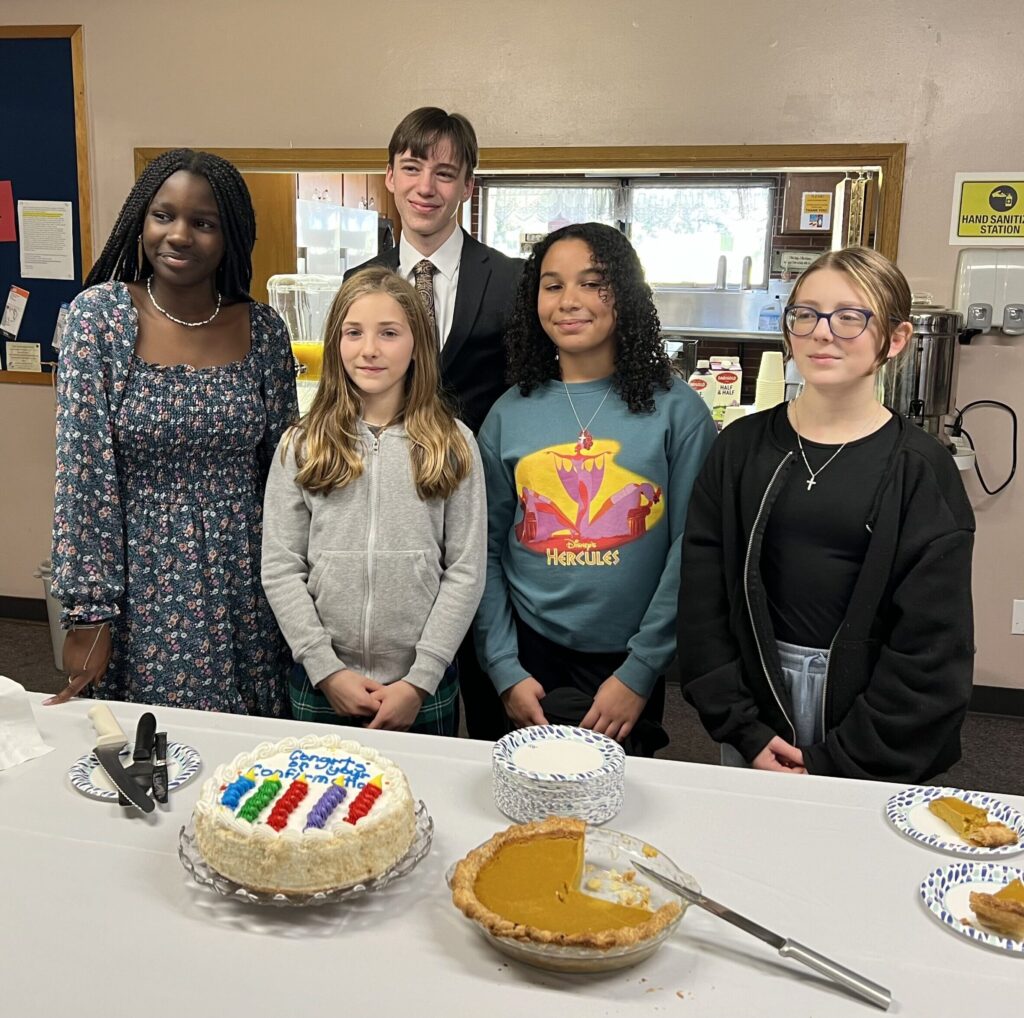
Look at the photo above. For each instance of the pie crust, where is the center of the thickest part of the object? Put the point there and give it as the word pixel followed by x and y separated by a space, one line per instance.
pixel 550 881
pixel 1002 912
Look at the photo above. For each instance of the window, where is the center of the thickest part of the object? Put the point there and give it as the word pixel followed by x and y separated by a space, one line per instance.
pixel 679 226
pixel 512 211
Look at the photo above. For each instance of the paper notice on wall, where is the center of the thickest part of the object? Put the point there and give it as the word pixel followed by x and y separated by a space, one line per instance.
pixel 23 357
pixel 47 240
pixel 816 210
pixel 14 311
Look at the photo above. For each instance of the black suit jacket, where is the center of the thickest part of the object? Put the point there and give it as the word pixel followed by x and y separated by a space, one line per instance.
pixel 473 356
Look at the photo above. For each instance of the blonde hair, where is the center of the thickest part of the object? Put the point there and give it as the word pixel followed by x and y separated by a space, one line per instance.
pixel 885 287
pixel 329 451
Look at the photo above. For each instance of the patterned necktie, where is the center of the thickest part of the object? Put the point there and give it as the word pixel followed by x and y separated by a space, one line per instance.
pixel 423 278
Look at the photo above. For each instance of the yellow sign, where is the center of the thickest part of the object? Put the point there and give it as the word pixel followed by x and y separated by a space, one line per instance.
pixel 993 209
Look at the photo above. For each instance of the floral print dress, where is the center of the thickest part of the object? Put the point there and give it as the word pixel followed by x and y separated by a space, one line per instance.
pixel 159 509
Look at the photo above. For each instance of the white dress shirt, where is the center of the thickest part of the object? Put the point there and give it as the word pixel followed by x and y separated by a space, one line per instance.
pixel 446 260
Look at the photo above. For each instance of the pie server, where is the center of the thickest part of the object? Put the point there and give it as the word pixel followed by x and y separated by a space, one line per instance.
pixel 110 740
pixel 856 984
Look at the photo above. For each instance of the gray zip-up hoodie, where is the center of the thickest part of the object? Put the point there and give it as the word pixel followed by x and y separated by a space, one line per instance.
pixel 371 577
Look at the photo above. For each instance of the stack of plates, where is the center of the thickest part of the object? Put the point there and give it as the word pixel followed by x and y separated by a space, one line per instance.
pixel 557 770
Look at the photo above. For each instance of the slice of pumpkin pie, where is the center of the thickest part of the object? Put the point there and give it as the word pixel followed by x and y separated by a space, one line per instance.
pixel 972 823
pixel 1002 912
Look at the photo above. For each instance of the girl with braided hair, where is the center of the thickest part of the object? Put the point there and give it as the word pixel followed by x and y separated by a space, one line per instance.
pixel 589 460
pixel 174 388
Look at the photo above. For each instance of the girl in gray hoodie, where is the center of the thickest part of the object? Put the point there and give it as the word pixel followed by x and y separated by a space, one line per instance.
pixel 375 522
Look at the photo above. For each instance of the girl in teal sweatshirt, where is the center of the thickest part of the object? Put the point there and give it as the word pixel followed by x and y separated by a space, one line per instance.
pixel 589 460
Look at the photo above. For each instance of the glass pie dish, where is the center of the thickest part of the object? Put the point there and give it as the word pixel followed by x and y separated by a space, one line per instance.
pixel 607 855
pixel 200 871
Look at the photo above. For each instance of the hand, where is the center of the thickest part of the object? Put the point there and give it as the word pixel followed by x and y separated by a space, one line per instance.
pixel 779 755
pixel 398 704
pixel 615 710
pixel 86 656
pixel 349 693
pixel 522 703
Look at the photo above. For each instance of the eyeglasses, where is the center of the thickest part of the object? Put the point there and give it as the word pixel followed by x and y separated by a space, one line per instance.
pixel 845 323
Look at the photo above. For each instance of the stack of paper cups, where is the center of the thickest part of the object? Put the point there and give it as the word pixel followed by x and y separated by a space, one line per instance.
pixel 733 413
pixel 771 381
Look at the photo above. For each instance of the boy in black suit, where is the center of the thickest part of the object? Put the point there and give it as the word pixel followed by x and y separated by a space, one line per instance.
pixel 469 289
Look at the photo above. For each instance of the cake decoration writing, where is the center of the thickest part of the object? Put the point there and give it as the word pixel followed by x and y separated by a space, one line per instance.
pixel 363 802
pixel 260 799
pixel 326 805
pixel 285 806
pixel 318 769
pixel 233 793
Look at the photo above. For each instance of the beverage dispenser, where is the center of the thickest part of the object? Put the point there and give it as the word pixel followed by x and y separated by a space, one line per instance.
pixel 921 383
pixel 303 302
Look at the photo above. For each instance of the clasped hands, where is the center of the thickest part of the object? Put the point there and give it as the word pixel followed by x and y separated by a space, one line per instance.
pixel 614 712
pixel 393 706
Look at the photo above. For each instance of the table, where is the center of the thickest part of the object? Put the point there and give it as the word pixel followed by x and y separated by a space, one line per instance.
pixel 100 918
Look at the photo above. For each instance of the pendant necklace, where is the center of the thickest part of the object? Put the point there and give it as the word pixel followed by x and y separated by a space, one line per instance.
pixel 586 439
pixel 178 321
pixel 811 482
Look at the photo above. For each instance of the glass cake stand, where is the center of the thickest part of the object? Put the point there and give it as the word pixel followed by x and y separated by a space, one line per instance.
pixel 197 868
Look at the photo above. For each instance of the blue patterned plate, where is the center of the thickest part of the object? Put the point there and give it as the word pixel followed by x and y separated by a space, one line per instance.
pixel 946 893
pixel 87 776
pixel 908 812
pixel 534 754
pixel 558 770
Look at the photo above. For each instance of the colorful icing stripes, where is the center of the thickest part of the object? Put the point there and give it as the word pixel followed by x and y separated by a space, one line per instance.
pixel 363 802
pixel 285 806
pixel 260 799
pixel 233 793
pixel 326 804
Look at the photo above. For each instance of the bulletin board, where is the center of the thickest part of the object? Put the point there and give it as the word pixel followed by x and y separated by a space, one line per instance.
pixel 44 154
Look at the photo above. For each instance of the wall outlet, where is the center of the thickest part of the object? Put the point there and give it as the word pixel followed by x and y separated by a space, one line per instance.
pixel 1017 622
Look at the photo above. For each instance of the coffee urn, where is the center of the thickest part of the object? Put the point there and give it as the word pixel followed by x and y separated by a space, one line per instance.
pixel 920 384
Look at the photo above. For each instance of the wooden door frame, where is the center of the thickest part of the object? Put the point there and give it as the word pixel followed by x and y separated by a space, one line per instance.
pixel 890 158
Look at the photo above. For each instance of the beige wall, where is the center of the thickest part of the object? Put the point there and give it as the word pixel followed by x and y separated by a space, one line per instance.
pixel 567 72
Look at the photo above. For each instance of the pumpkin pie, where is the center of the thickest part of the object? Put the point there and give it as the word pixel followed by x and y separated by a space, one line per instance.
pixel 1002 912
pixel 525 884
pixel 972 823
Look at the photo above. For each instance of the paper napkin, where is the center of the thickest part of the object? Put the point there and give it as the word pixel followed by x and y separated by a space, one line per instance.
pixel 19 737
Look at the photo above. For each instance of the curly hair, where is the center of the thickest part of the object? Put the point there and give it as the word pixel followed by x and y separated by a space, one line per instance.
pixel 641 362
pixel 122 257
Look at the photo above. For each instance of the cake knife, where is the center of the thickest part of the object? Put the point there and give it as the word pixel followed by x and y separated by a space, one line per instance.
pixel 110 740
pixel 857 984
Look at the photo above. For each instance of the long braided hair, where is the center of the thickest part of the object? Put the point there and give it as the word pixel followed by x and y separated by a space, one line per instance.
pixel 641 362
pixel 123 258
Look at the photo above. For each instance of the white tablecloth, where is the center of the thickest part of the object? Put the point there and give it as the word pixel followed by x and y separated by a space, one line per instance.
pixel 99 917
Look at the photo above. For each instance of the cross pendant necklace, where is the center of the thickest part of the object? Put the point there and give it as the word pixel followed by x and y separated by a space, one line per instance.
pixel 811 481
pixel 585 439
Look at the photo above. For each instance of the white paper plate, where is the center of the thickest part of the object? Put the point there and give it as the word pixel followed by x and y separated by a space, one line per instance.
pixel 88 777
pixel 547 770
pixel 908 812
pixel 946 893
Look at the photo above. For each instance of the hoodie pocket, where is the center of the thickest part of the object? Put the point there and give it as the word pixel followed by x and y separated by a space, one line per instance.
pixel 338 585
pixel 405 586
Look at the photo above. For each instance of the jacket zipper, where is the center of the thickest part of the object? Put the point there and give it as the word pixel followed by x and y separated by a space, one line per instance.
pixel 370 542
pixel 746 592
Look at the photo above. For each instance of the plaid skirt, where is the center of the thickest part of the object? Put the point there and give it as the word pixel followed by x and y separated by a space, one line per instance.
pixel 437 716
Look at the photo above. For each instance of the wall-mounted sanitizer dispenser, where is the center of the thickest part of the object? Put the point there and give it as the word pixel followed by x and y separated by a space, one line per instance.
pixel 989 289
